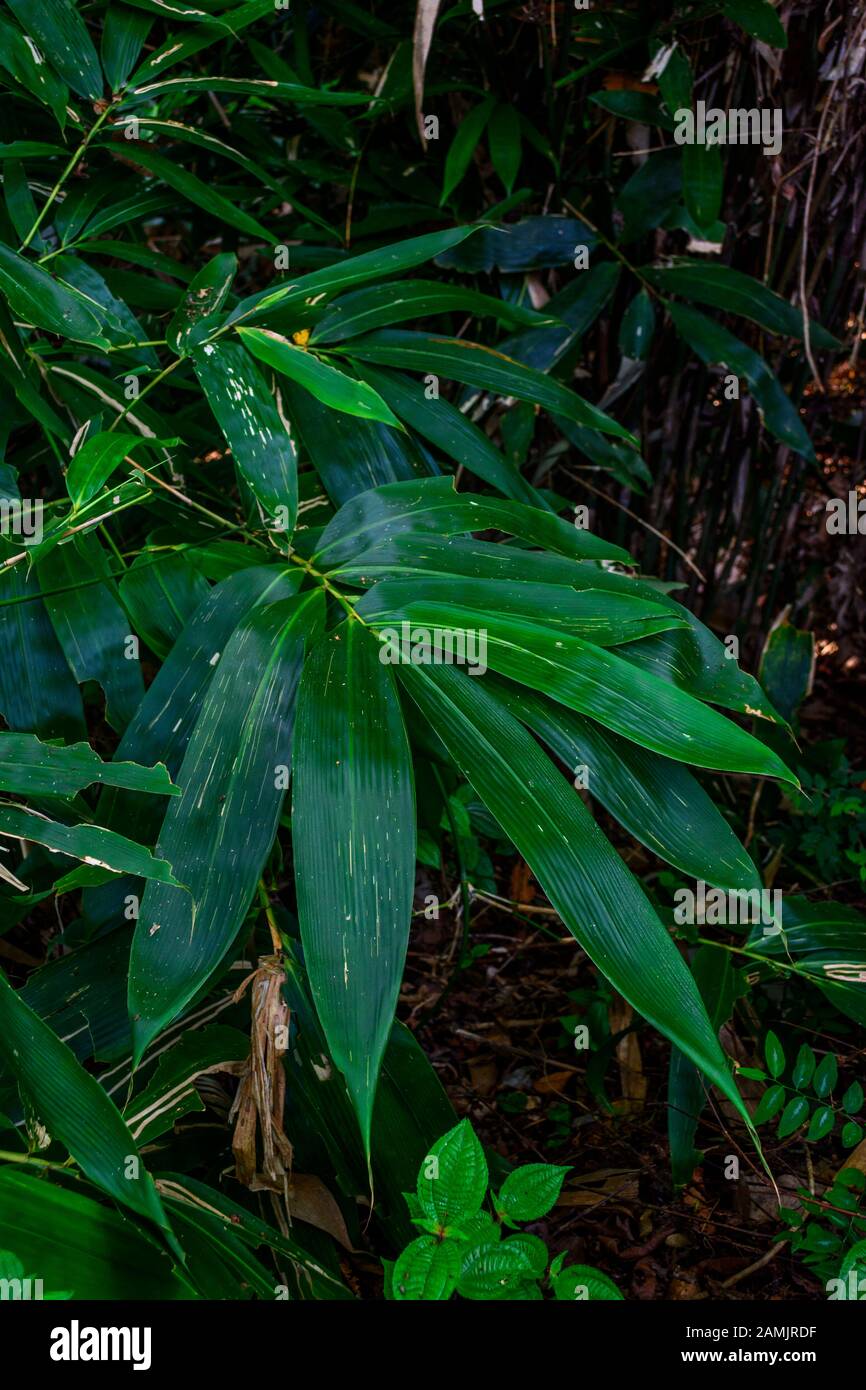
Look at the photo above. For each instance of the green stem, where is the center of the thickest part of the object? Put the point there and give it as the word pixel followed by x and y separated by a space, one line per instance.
pixel 77 156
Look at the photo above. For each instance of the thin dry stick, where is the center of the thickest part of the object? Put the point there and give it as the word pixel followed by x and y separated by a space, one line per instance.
pixel 623 508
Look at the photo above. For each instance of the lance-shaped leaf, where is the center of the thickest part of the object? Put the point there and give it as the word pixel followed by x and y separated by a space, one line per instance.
pixel 722 287
pixel 349 454
pixel 74 1108
pixel 383 263
pixel 330 386
pixel 448 428
pixel 605 619
pixel 256 87
pixel 434 505
pixel 219 831
pixel 597 897
pixel 353 819
pixel 484 367
pixel 61 33
pixel 40 299
pixel 28 766
pixel 658 801
pixel 91 626
pixel 380 305
pixel 93 844
pixel 93 463
pixel 598 683
pixel 714 344
pixel 205 296
pixel 255 428
pixel 202 194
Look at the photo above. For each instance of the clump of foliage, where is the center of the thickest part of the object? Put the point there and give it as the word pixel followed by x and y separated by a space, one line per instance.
pixel 471 1250
pixel 249 445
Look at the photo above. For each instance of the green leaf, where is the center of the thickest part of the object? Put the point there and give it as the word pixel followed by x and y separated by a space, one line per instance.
pixel 714 344
pixel 90 624
pixel 804 1067
pixel 826 1076
pixel 821 1124
pixel 385 262
pixel 503 138
pixel 27 65
pixel 794 1114
pixel 434 505
pixel 161 591
pixel 584 878
pixel 91 843
pixel 476 365
pixel 32 768
pixel 218 833
pixel 703 175
pixel 82 1245
pixel 205 296
pixel 194 189
pixel 252 86
pixel 93 463
pixel 463 145
pixel 353 819
pixel 427 1269
pixel 758 18
pixel 774 1055
pixel 659 802
pixel 583 1283
pixel 255 428
pixel 38 298
pixel 60 32
pixel 448 429
pixel 723 287
pixel 452 1182
pixel 597 682
pixel 380 305
pixel 123 35
pixel 73 1107
pixel 531 1191
pixel 788 667
pixel 330 386
pixel 851 1134
pixel 852 1100
pixel 495 1270
pixel 637 327
pixel 770 1104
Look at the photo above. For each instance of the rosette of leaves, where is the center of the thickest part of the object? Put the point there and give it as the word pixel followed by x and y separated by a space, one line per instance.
pixel 479 1252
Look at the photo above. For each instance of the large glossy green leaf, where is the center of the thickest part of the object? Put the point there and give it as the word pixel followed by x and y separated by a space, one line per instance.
pixel 27 65
pixel 598 683
pixel 476 365
pixel 94 462
pixel 597 897
pixel 434 505
pixel 353 817
pixel 758 18
pixel 723 287
pixel 658 801
pixel 74 1109
pixel 256 430
pixel 217 834
pixel 330 386
pixel 252 86
pixel 60 32
pixel 605 619
pixel 161 591
pixel 715 344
